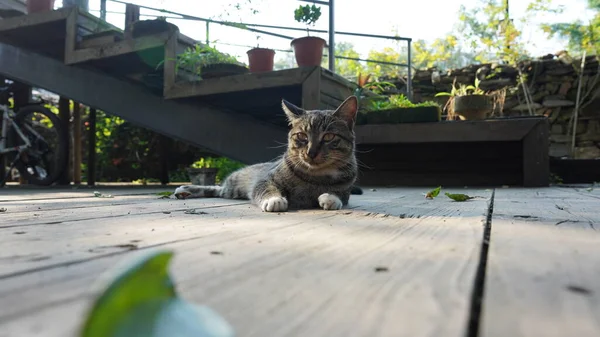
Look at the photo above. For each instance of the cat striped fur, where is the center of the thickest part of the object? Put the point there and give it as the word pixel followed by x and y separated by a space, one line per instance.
pixel 318 169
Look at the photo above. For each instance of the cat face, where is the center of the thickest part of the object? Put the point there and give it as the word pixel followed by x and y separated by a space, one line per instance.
pixel 320 139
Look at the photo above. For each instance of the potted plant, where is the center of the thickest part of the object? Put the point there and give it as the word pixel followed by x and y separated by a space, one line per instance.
pixel 152 27
pixel 34 6
pixel 211 171
pixel 208 62
pixel 308 50
pixel 260 59
pixel 202 172
pixel 468 102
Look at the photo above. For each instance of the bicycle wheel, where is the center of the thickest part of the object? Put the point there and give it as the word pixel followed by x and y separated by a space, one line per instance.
pixel 46 159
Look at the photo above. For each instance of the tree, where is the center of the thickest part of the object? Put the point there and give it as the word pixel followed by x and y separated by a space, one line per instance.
pixel 345 67
pixel 443 53
pixel 388 55
pixel 580 36
pixel 491 32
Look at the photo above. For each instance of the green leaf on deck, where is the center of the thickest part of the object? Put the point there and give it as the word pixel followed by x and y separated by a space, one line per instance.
pixel 101 195
pixel 433 193
pixel 164 195
pixel 459 197
pixel 142 301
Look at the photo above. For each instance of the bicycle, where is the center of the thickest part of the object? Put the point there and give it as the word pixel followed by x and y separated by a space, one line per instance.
pixel 33 140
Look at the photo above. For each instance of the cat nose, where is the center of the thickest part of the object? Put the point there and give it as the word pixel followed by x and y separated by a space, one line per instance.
pixel 312 153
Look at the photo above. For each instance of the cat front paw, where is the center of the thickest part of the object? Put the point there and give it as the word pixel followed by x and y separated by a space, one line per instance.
pixel 274 204
pixel 330 202
pixel 182 192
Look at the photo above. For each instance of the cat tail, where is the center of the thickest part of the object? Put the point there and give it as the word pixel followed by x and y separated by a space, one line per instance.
pixel 195 191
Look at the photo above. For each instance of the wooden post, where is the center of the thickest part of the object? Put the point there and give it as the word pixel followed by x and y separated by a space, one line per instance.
pixel 64 113
pixel 163 143
pixel 311 90
pixel 22 96
pixel 132 14
pixel 77 143
pixel 91 162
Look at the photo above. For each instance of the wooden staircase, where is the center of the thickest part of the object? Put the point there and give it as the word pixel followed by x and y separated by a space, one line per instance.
pixel 79 56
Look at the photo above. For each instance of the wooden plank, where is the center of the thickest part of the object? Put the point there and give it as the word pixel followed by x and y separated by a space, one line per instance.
pixel 536 162
pixel 242 82
pixel 543 265
pixel 169 67
pixel 127 46
pixel 311 90
pixel 34 19
pixel 452 131
pixel 309 273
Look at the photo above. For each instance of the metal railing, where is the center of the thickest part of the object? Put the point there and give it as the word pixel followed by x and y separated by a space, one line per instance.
pixel 254 28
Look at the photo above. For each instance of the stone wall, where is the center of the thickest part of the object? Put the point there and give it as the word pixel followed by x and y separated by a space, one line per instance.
pixel 552 81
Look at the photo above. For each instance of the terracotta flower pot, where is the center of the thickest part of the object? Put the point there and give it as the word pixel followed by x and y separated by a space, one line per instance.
pixel 308 50
pixel 260 60
pixel 34 6
pixel 472 107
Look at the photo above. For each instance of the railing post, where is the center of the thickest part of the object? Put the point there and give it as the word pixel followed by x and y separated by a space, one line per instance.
pixel 103 10
pixel 207 33
pixel 409 93
pixel 331 36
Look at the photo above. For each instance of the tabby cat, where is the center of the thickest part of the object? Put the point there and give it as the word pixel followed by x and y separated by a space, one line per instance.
pixel 317 170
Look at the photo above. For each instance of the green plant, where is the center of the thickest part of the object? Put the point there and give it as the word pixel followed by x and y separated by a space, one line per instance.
pixel 193 59
pixel 225 166
pixel 463 90
pixel 308 15
pixel 398 101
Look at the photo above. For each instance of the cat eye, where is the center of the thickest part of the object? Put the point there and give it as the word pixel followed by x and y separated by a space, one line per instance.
pixel 328 137
pixel 301 136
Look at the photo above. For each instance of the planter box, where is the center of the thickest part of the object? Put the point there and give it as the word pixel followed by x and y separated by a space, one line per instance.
pixel 203 176
pixel 400 115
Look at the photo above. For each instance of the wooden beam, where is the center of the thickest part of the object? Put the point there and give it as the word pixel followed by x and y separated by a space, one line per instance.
pixel 452 131
pixel 91 162
pixel 132 14
pixel 536 161
pixel 77 143
pixel 287 77
pixel 128 46
pixel 34 19
pixel 311 90
pixel 64 113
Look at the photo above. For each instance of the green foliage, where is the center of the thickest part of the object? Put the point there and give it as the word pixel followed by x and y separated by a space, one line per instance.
pixel 489 30
pixel 344 67
pixel 307 14
pixel 398 101
pixel 463 90
pixel 142 301
pixel 194 59
pixel 226 166
pixel 580 36
pixel 387 54
pixel 459 197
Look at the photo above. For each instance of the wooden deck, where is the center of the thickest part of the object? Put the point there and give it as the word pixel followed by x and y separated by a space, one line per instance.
pixel 514 262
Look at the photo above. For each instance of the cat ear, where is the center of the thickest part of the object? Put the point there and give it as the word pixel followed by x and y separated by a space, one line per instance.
pixel 292 112
pixel 347 111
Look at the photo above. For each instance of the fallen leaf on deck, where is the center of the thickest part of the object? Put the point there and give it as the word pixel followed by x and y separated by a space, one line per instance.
pixel 216 253
pixel 100 195
pixel 433 193
pixel 2 210
pixel 143 301
pixel 381 269
pixel 193 211
pixel 459 197
pixel 165 195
